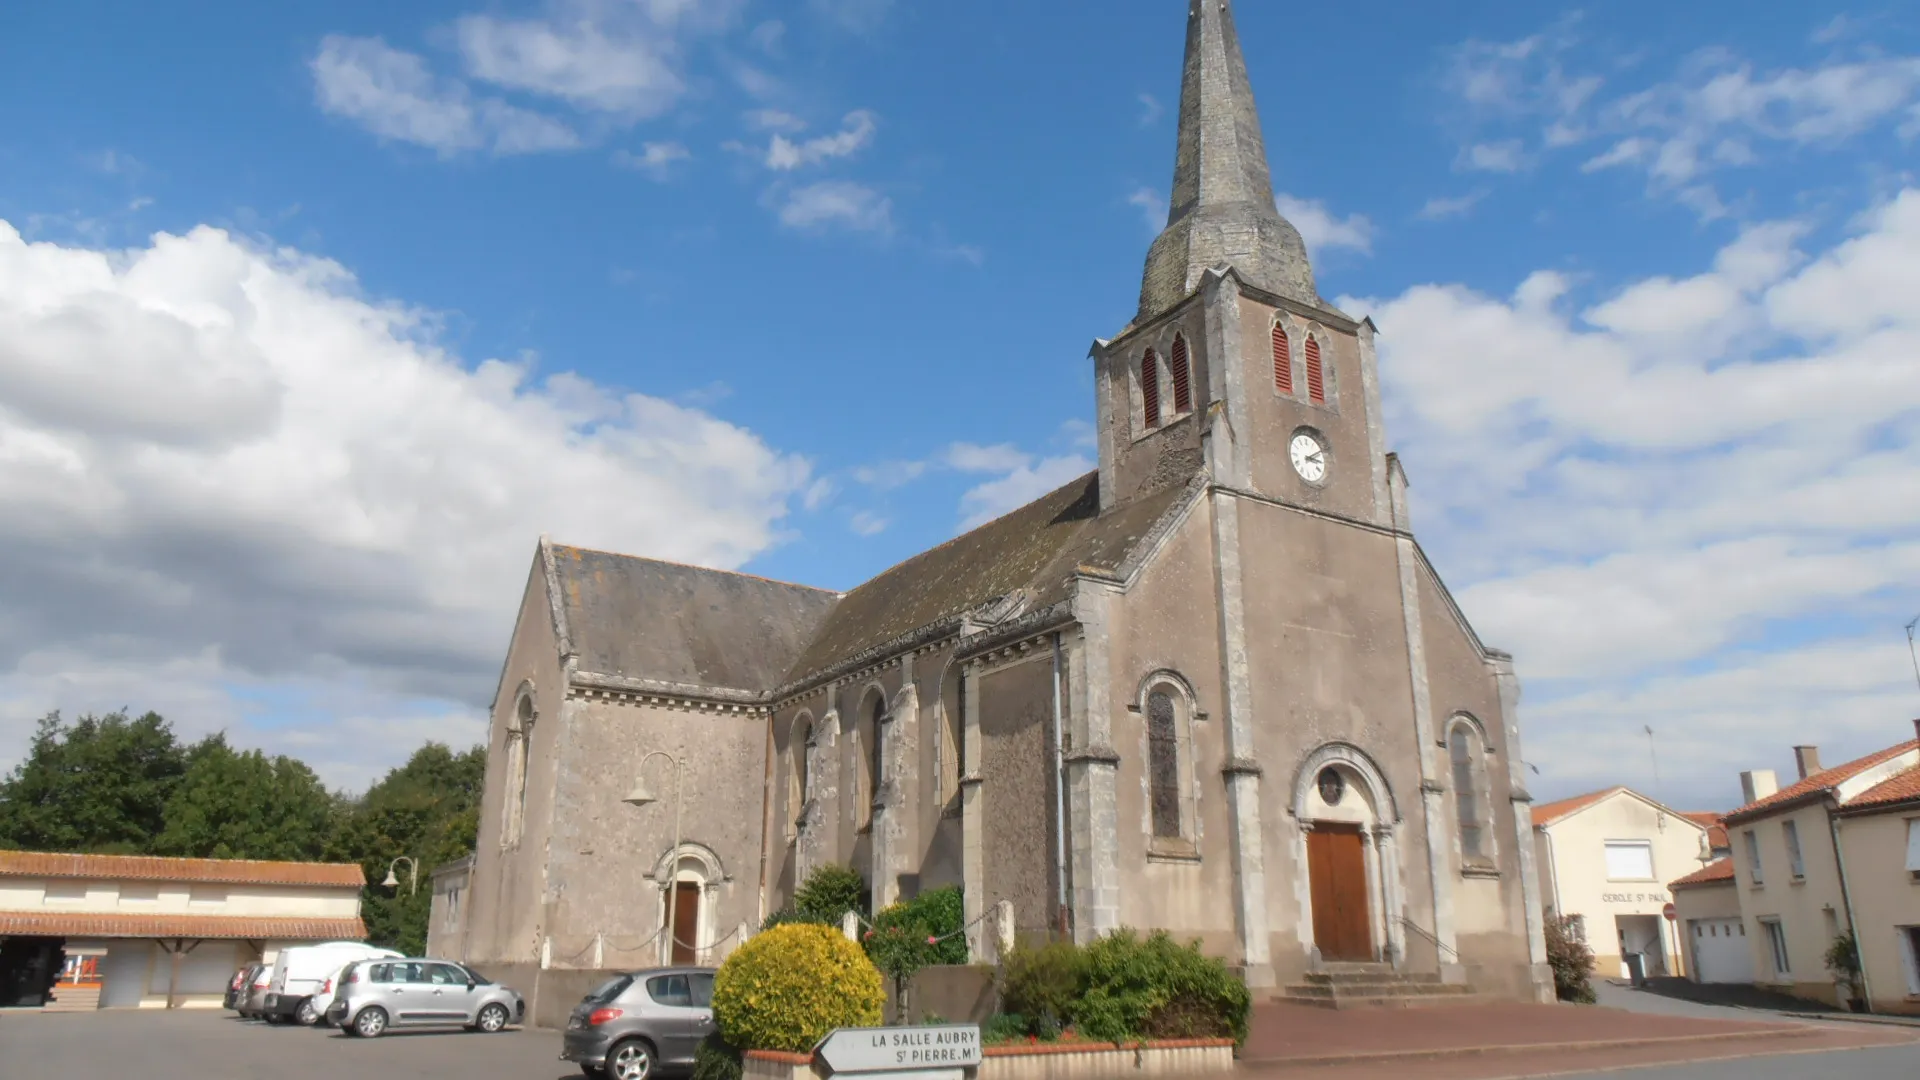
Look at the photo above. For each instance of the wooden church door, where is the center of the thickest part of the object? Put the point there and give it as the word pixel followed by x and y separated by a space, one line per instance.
pixel 1337 872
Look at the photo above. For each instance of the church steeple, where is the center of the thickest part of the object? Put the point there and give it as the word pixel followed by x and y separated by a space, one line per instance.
pixel 1222 210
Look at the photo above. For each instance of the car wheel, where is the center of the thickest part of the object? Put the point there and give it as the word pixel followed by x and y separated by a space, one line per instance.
pixel 307 1014
pixel 371 1022
pixel 491 1019
pixel 630 1059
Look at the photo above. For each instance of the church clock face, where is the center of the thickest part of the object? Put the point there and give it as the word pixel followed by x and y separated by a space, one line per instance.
pixel 1309 458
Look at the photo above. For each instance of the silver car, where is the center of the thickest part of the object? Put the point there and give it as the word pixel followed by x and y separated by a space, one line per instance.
pixel 374 995
pixel 642 1023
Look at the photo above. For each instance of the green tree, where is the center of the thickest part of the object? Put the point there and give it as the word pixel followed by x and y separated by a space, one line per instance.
pixel 428 810
pixel 96 784
pixel 243 805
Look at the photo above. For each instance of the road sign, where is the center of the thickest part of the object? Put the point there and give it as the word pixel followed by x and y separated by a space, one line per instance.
pixel 1672 913
pixel 908 1050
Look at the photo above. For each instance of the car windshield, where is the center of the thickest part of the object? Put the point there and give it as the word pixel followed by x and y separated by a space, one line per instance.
pixel 610 989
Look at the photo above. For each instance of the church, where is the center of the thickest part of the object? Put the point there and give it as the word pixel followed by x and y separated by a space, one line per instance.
pixel 1213 687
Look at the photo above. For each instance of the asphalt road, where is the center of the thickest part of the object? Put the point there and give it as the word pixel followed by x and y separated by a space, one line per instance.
pixel 1882 1063
pixel 211 1045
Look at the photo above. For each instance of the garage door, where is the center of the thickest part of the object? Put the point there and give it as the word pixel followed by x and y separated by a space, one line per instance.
pixel 1720 951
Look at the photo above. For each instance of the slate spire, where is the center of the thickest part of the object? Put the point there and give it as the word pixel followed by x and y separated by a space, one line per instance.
pixel 1222 210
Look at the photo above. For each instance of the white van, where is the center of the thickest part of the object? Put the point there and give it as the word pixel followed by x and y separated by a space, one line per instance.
pixel 300 972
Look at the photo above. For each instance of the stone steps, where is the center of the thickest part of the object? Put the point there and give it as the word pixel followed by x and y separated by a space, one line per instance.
pixel 1374 986
pixel 73 999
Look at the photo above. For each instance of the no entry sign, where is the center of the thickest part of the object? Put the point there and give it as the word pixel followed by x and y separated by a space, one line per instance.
pixel 929 1047
pixel 1672 913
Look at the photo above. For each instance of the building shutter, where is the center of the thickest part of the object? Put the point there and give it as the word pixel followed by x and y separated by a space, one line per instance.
pixel 1150 388
pixel 1182 390
pixel 1913 846
pixel 1316 378
pixel 1282 360
pixel 1629 860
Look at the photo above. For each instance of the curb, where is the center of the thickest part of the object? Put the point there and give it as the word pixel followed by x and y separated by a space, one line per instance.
pixel 1790 1031
pixel 1860 1018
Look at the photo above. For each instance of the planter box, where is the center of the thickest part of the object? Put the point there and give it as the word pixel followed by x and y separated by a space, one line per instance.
pixel 1047 1061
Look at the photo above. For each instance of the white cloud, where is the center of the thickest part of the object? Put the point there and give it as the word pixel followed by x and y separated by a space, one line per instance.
pixel 227 474
pixel 971 457
pixel 1321 230
pixel 841 203
pixel 774 120
pixel 393 94
pixel 653 158
pixel 1694 485
pixel 1152 206
pixel 1023 483
pixel 888 475
pixel 1442 207
pixel 768 36
pixel 784 155
pixel 1503 157
pixel 1150 110
pixel 864 523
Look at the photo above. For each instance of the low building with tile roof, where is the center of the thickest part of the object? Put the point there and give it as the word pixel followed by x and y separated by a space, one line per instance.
pixel 114 931
pixel 1836 852
pixel 1213 686
pixel 1604 859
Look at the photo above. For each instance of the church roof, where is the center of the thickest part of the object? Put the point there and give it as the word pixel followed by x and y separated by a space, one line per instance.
pixel 1222 209
pixel 1026 556
pixel 647 619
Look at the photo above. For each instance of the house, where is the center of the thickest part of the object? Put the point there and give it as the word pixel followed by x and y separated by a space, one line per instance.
pixel 1836 852
pixel 1603 858
pixel 134 931
pixel 1214 686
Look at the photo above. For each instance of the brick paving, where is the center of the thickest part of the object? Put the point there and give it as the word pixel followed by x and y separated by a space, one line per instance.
pixel 1503 1040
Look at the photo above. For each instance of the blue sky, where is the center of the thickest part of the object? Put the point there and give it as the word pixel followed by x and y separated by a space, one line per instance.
pixel 317 316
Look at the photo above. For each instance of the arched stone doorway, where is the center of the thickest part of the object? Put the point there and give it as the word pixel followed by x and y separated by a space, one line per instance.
pixel 689 881
pixel 1346 815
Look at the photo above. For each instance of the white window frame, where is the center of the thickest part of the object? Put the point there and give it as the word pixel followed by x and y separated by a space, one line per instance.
pixel 1796 862
pixel 1754 872
pixel 1645 846
pixel 1913 847
pixel 1777 946
pixel 1910 948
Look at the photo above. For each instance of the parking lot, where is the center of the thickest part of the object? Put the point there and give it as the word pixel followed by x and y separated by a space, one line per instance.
pixel 215 1045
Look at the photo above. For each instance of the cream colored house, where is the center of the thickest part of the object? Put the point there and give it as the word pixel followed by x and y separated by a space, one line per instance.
pixel 1604 859
pixel 1837 850
pixel 1712 933
pixel 161 933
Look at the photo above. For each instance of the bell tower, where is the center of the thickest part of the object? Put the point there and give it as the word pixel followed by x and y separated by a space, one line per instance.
pixel 1233 363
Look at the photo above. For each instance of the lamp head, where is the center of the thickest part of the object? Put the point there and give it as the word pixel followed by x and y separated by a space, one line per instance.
pixel 639 796
pixel 391 882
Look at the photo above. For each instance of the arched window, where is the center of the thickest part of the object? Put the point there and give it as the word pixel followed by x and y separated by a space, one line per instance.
pixel 797 750
pixel 1163 764
pixel 1150 388
pixel 876 754
pixel 1282 360
pixel 519 740
pixel 1316 375
pixel 1182 377
pixel 1467 805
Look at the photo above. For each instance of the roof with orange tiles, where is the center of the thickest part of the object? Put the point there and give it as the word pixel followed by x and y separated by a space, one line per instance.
pixel 1818 783
pixel 1718 872
pixel 46 864
pixel 125 925
pixel 1548 813
pixel 1715 823
pixel 1899 788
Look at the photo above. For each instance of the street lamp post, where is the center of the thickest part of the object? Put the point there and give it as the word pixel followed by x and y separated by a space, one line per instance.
pixel 642 796
pixel 413 874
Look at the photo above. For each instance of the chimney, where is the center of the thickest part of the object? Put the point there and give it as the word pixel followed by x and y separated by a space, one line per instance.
pixel 1807 760
pixel 1757 785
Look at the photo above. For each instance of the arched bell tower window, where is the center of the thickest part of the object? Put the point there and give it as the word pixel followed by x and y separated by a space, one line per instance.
pixel 1150 389
pixel 1182 377
pixel 1316 371
pixel 1282 360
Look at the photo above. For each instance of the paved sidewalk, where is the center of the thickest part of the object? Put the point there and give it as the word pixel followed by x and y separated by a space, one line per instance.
pixel 1298 1035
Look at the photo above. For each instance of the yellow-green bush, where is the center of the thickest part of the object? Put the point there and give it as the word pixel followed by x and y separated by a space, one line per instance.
pixel 787 987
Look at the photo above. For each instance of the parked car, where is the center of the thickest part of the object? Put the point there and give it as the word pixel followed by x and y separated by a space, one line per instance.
pixel 374 995
pixel 238 986
pixel 299 971
pixel 322 999
pixel 641 1023
pixel 253 1005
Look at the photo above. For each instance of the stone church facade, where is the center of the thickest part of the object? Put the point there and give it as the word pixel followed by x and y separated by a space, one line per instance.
pixel 1213 687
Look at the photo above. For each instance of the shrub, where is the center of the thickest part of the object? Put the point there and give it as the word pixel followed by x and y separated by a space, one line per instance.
pixel 1003 1027
pixel 829 893
pixel 1571 960
pixel 1038 984
pixel 1843 957
pixel 1157 989
pixel 713 1059
pixel 787 988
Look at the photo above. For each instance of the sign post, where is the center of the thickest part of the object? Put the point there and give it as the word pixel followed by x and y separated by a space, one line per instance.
pixel 927 1052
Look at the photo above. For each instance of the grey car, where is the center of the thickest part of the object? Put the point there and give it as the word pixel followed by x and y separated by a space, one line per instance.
pixel 641 1023
pixel 374 995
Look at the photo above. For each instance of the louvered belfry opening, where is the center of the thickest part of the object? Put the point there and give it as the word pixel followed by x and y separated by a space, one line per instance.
pixel 1182 387
pixel 1150 388
pixel 1316 378
pixel 1282 360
